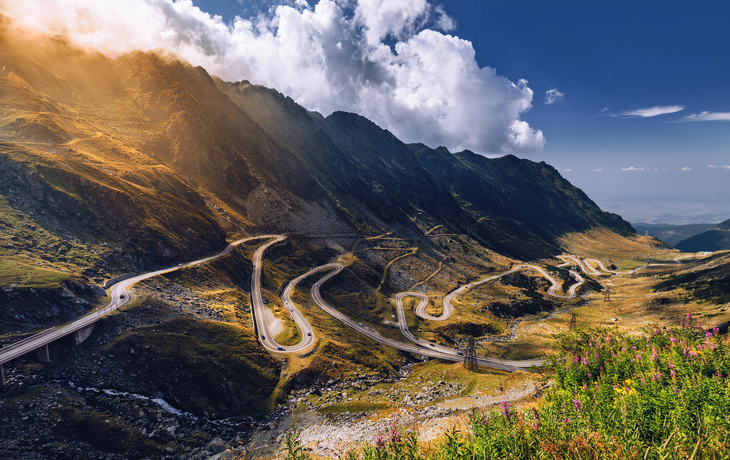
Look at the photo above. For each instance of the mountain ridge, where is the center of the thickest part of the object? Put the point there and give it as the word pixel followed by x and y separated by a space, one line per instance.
pixel 252 159
pixel 714 239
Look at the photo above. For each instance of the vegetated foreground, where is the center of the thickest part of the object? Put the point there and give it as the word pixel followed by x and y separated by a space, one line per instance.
pixel 663 395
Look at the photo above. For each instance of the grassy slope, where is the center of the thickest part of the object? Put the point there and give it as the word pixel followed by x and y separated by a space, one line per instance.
pixel 709 283
pixel 716 239
pixel 671 234
pixel 203 366
pixel 25 276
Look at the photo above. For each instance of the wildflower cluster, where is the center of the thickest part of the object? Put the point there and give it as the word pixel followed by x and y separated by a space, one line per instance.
pixel 394 443
pixel 663 395
pixel 665 391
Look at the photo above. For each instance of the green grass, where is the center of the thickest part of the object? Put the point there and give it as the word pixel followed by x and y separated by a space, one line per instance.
pixel 664 395
pixel 25 276
pixel 291 334
pixel 630 264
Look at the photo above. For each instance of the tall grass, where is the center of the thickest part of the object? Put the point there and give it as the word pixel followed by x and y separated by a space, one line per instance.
pixel 664 395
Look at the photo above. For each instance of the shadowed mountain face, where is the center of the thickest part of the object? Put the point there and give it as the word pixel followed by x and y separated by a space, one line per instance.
pixel 715 239
pixel 519 207
pixel 671 234
pixel 162 160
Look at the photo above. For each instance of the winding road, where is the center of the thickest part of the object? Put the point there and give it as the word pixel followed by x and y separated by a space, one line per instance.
pixel 120 297
pixel 419 346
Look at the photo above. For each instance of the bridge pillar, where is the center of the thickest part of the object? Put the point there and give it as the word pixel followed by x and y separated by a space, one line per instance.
pixel 44 355
pixel 83 334
pixel 2 376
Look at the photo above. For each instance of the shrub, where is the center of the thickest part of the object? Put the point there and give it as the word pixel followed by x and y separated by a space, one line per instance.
pixel 663 395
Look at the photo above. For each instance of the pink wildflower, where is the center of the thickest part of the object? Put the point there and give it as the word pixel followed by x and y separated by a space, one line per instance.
pixel 577 404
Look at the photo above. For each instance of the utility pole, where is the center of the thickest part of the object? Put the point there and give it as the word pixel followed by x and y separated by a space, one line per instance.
pixel 470 355
pixel 607 295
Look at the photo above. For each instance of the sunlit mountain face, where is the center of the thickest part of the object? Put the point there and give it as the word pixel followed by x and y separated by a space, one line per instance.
pixel 185 138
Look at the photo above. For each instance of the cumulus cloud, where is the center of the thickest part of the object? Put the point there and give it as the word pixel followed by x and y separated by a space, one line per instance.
pixel 631 168
pixel 444 21
pixel 553 95
pixel 388 60
pixel 716 166
pixel 686 168
pixel 708 116
pixel 653 111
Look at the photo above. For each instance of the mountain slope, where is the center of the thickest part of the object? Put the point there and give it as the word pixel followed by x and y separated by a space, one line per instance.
pixel 158 123
pixel 520 207
pixel 369 170
pixel 671 234
pixel 514 206
pixel 715 239
pixel 160 160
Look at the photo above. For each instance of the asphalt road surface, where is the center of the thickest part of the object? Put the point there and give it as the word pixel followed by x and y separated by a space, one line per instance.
pixel 119 297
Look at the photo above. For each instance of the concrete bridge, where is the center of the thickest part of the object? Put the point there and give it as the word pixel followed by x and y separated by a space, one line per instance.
pixel 79 331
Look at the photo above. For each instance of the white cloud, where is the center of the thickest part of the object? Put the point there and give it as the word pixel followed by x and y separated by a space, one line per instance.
pixel 686 169
pixel 653 111
pixel 567 170
pixel 631 168
pixel 722 167
pixel 380 58
pixel 553 95
pixel 596 170
pixel 708 116
pixel 444 21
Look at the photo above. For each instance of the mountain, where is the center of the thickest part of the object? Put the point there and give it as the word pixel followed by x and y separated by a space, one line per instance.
pixel 372 173
pixel 162 160
pixel 519 207
pixel 708 282
pixel 671 234
pixel 715 239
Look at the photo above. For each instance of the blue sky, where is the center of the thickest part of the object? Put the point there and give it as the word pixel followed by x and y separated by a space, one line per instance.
pixel 626 78
pixel 621 56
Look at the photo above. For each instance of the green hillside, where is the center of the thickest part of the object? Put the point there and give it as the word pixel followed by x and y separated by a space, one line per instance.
pixel 716 239
pixel 671 234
